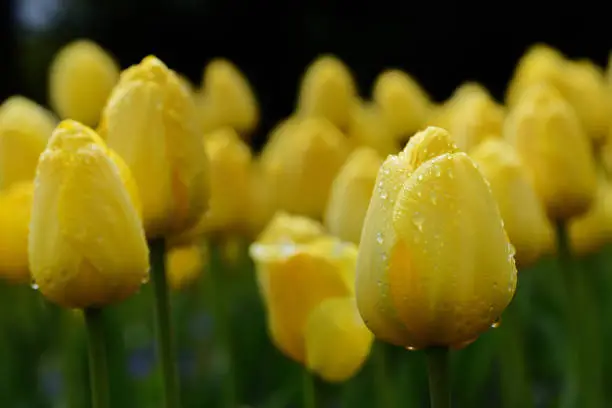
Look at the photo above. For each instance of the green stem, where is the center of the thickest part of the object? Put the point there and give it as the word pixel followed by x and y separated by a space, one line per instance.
pixel 98 371
pixel 384 389
pixel 439 377
pixel 309 399
pixel 165 346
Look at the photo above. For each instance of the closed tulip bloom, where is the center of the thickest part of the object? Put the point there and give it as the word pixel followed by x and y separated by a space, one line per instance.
pixel 435 266
pixel 301 167
pixel 15 207
pixel 404 104
pixel 184 265
pixel 327 90
pixel 86 244
pixel 304 286
pixel 25 128
pixel 592 230
pixel 523 213
pixel 350 195
pixel 227 99
pixel 368 127
pixel 546 132
pixel 261 206
pixel 81 78
pixel 150 121
pixel 287 228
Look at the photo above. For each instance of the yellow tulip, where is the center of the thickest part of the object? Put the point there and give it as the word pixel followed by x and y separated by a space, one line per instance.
pixel 523 213
pixel 308 289
pixel 367 127
pixel 25 128
pixel 287 228
pixel 86 244
pixel 404 104
pixel 150 121
pixel 15 208
pixel 81 78
pixel 261 206
pixel 226 99
pixel 350 195
pixel 591 231
pixel 184 265
pixel 328 91
pixel 546 132
pixel 301 166
pixel 435 266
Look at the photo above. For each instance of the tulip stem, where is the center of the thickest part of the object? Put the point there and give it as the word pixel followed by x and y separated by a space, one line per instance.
pixel 439 377
pixel 384 389
pixel 98 370
pixel 165 346
pixel 309 399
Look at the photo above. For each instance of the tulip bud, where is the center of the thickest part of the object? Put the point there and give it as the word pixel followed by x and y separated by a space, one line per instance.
pixel 350 195
pixel 301 167
pixel 25 128
pixel 286 228
pixel 226 99
pixel 15 206
pixel 261 207
pixel 304 287
pixel 435 266
pixel 592 230
pixel 328 91
pixel 86 244
pixel 524 216
pixel 545 131
pixel 404 104
pixel 150 121
pixel 81 78
pixel 367 127
pixel 184 265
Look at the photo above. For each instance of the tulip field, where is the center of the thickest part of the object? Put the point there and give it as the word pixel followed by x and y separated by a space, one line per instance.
pixel 381 250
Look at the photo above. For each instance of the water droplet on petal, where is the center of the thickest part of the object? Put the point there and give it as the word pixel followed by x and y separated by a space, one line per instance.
pixel 383 195
pixel 419 194
pixel 496 323
pixel 420 177
pixel 411 348
pixel 418 220
pixel 34 285
pixel 437 171
pixel 434 197
pixel 379 238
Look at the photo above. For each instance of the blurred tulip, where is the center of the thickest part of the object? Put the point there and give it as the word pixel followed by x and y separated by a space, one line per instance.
pixel 309 294
pixel 81 78
pixel 351 193
pixel 435 265
pixel 591 231
pixel 226 99
pixel 25 128
pixel 15 208
pixel 286 228
pixel 301 166
pixel 524 215
pixel 150 121
pixel 367 127
pixel 86 244
pixel 327 90
pixel 404 104
pixel 546 132
pixel 184 265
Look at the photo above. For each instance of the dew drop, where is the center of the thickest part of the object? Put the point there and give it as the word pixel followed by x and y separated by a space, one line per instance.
pixel 34 285
pixel 419 194
pixel 420 177
pixel 418 220
pixel 496 323
pixel 383 195
pixel 379 283
pixel 379 238
pixel 437 171
pixel 450 174
pixel 385 171
pixel 411 348
pixel 434 197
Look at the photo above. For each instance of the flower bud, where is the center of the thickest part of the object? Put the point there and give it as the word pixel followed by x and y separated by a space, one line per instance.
pixel 545 131
pixel 327 91
pixel 86 244
pixel 435 266
pixel 81 78
pixel 226 99
pixel 592 230
pixel 524 216
pixel 150 121
pixel 301 166
pixel 184 265
pixel 367 127
pixel 25 128
pixel 350 194
pixel 286 228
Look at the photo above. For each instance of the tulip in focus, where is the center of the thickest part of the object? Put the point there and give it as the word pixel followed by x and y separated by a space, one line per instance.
pixel 592 230
pixel 151 122
pixel 435 265
pixel 25 128
pixel 546 132
pixel 524 216
pixel 81 78
pixel 350 195
pixel 226 99
pixel 15 206
pixel 184 265
pixel 367 127
pixel 86 244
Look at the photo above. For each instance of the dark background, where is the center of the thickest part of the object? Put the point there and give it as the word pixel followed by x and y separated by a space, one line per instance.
pixel 441 43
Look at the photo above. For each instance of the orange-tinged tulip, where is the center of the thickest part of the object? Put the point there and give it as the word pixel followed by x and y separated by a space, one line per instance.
pixel 592 230
pixel 184 265
pixel 350 195
pixel 368 127
pixel 81 78
pixel 86 245
pixel 435 266
pixel 546 132
pixel 523 213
